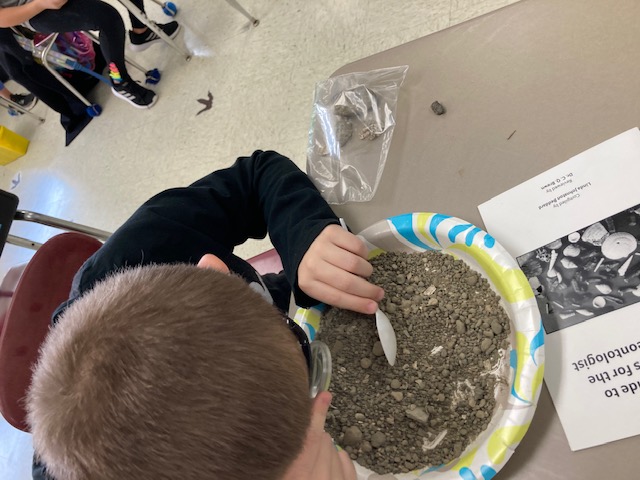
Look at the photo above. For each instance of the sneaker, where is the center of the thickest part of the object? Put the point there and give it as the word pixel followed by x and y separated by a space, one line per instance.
pixel 135 94
pixel 142 41
pixel 25 100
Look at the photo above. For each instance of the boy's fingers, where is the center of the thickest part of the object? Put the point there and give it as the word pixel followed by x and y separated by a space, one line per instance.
pixel 347 260
pixel 340 299
pixel 348 468
pixel 319 411
pixel 336 287
pixel 348 282
pixel 346 240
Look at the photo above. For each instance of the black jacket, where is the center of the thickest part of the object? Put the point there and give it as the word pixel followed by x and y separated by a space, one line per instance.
pixel 264 193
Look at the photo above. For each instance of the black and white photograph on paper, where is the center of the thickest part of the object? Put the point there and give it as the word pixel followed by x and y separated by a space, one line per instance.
pixel 587 273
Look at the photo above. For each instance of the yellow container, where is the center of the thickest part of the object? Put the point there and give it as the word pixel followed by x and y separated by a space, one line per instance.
pixel 12 145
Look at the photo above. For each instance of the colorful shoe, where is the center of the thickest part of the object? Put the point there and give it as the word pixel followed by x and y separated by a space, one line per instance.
pixel 135 94
pixel 142 41
pixel 25 100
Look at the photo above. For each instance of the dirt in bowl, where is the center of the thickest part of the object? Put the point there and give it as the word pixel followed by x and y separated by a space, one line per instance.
pixel 452 336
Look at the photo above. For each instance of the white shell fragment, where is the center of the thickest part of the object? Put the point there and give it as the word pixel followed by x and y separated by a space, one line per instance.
pixel 619 245
pixel 595 234
pixel 535 283
pixel 566 263
pixel 571 251
pixel 604 288
pixel 552 271
pixel 598 265
pixel 599 302
pixel 574 237
pixel 623 269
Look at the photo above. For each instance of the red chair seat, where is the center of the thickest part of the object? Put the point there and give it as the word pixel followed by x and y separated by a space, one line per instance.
pixel 43 286
pixel 267 262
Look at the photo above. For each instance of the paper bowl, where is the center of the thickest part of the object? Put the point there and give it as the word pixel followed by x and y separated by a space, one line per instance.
pixel 418 232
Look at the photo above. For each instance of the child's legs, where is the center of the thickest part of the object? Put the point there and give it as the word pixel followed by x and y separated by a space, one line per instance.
pixel 20 66
pixel 39 81
pixel 88 15
pixel 4 91
pixel 135 23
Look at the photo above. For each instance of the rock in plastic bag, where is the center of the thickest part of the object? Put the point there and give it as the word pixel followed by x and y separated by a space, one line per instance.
pixel 351 129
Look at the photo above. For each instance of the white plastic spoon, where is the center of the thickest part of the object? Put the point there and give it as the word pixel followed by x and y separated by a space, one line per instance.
pixel 387 337
pixel 385 330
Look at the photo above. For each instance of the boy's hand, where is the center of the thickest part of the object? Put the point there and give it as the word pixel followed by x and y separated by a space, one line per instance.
pixel 52 4
pixel 319 459
pixel 334 271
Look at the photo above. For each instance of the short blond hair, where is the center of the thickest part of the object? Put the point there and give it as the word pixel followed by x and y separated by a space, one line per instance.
pixel 169 372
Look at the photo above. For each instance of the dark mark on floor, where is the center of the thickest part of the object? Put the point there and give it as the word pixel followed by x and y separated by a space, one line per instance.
pixel 208 103
pixel 509 137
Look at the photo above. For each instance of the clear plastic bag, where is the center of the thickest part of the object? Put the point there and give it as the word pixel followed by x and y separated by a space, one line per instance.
pixel 351 128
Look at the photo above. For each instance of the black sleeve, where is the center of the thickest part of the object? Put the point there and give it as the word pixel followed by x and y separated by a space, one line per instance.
pixel 264 193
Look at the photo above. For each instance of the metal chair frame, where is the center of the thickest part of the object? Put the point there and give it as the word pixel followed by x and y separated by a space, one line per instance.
pixel 8 104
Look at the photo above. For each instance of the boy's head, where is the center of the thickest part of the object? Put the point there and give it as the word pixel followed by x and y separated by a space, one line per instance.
pixel 166 372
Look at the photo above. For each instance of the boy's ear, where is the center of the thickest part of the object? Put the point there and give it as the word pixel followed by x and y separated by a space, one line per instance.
pixel 209 260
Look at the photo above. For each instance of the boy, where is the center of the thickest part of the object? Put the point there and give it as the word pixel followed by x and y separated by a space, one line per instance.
pixel 160 369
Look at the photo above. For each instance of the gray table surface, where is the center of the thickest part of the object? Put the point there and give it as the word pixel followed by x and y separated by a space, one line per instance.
pixel 564 75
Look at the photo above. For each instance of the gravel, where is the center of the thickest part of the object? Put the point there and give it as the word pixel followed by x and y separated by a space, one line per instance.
pixel 440 395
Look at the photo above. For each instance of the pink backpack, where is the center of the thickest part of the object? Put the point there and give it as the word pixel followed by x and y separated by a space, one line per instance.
pixel 76 45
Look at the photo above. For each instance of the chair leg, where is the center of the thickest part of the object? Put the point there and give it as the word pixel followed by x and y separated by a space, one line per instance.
pixel 254 21
pixel 140 15
pixel 23 242
pixel 8 104
pixel 59 223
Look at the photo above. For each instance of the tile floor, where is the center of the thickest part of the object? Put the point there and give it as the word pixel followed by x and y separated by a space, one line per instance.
pixel 262 80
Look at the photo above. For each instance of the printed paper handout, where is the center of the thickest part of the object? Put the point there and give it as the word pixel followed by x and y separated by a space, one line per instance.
pixel 574 230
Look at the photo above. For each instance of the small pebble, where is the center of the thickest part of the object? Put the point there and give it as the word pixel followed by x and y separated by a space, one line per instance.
pixel 377 349
pixel 485 344
pixel 352 437
pixel 365 363
pixel 438 108
pixel 395 384
pixel 397 396
pixel 472 279
pixel 496 327
pixel 378 439
pixel 418 414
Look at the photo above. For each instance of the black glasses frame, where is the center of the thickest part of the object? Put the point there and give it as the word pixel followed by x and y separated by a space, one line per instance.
pixel 302 338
